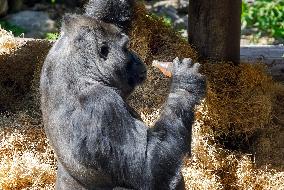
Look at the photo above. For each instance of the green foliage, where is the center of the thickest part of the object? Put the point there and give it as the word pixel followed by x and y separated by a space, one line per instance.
pixel 165 19
pixel 265 15
pixel 51 36
pixel 16 30
pixel 53 1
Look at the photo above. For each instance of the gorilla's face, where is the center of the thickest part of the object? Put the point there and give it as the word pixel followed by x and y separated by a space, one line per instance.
pixel 101 52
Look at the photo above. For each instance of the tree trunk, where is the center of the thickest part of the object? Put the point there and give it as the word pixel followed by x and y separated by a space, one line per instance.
pixel 214 28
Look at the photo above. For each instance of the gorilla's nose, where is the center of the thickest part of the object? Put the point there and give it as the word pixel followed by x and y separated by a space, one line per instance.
pixel 136 60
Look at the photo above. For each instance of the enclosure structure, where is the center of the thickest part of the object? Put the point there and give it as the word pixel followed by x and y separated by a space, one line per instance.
pixel 214 28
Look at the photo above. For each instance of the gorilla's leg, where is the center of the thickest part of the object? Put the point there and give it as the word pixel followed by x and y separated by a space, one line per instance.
pixel 66 182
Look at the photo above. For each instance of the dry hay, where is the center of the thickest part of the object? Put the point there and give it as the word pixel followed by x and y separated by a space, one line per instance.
pixel 17 68
pixel 152 39
pixel 213 167
pixel 278 107
pixel 269 146
pixel 7 42
pixel 241 99
pixel 26 159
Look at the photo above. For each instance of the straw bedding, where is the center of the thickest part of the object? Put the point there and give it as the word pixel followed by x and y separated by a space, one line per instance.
pixel 242 101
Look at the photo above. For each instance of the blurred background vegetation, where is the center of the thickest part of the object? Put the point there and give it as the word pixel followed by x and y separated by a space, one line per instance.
pixel 261 19
pixel 264 17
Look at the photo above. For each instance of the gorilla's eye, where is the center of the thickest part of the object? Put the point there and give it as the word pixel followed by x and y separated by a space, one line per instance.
pixel 104 51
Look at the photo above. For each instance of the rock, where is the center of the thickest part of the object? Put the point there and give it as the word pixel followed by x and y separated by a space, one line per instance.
pixel 182 7
pixel 40 7
pixel 173 9
pixel 3 7
pixel 171 12
pixel 167 3
pixel 36 23
pixel 181 23
pixel 184 33
pixel 167 11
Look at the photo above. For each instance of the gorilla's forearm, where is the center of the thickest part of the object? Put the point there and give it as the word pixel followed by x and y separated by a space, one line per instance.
pixel 181 104
pixel 176 120
pixel 170 139
pixel 178 112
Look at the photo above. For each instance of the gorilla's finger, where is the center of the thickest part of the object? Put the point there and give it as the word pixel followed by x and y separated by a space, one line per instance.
pixel 187 61
pixel 196 67
pixel 176 62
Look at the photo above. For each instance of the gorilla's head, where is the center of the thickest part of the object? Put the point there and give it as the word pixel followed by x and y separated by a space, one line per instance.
pixel 118 12
pixel 98 52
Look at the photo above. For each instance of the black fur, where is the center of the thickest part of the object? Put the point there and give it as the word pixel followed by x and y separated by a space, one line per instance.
pixel 98 139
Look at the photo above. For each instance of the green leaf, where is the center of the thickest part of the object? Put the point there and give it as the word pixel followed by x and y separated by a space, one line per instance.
pixel 51 36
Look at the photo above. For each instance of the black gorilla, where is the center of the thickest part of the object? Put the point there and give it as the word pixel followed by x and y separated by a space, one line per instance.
pixel 98 139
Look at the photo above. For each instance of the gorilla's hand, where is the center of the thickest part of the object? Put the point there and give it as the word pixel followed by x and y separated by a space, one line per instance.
pixel 186 77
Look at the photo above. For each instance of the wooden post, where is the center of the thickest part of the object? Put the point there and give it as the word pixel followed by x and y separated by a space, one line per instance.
pixel 214 28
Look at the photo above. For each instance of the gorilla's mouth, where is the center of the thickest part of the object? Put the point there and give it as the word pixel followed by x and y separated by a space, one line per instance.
pixel 142 76
pixel 136 79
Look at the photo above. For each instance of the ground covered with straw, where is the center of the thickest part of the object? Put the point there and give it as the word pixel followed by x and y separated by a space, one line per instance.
pixel 26 159
pixel 7 42
pixel 237 136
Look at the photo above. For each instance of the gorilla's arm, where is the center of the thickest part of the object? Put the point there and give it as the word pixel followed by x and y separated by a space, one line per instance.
pixel 170 139
pixel 129 150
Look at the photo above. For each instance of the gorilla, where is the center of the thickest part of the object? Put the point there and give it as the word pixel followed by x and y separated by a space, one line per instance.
pixel 100 142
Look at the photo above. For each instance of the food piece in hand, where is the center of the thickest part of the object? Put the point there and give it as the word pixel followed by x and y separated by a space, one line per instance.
pixel 165 67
